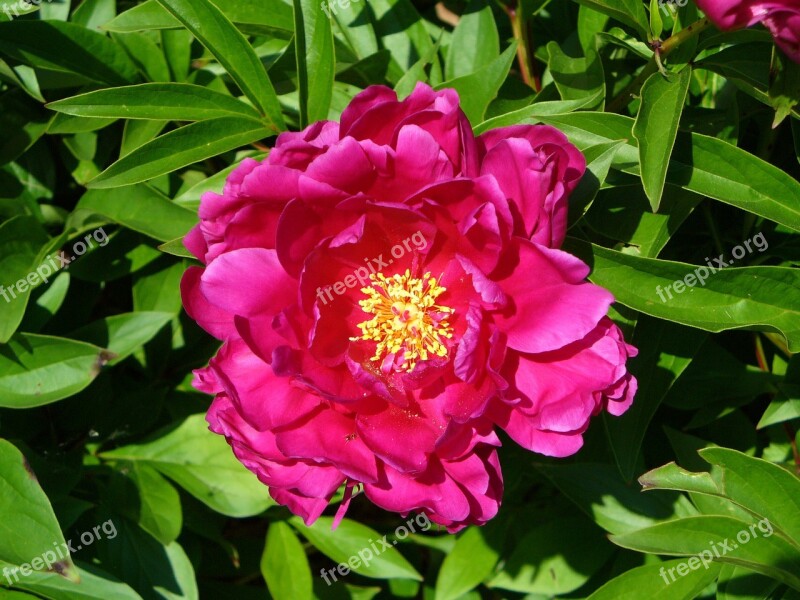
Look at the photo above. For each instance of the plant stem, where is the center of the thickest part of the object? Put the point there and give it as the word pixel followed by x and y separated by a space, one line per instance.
pixel 520 28
pixel 683 35
pixel 662 49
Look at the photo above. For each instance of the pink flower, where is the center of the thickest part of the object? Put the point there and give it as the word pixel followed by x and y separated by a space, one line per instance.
pixel 781 17
pixel 390 288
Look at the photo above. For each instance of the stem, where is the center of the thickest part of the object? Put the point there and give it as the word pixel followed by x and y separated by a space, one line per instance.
pixel 520 28
pixel 684 35
pixel 662 49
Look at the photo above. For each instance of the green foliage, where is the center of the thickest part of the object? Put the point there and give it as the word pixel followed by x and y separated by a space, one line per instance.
pixel 117 116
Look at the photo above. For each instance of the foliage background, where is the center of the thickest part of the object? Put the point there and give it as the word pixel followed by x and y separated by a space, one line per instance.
pixel 95 368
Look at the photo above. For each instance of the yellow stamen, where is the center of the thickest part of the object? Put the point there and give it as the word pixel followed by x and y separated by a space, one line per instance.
pixel 406 318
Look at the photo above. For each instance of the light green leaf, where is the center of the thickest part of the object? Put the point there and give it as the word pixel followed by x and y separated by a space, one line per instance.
pixel 478 89
pixel 316 61
pixel 530 113
pixel 470 561
pixel 213 29
pixel 29 529
pixel 577 78
pixel 160 512
pixel 475 43
pixel 616 506
pixel 352 539
pixel 140 208
pixel 94 585
pixel 656 582
pixel 284 564
pixel 38 369
pixel 784 407
pixel 123 334
pixel 155 570
pixel 555 558
pixel 253 16
pixel 180 148
pixel 21 240
pixel 164 101
pixel 768 554
pixel 202 463
pixel 629 12
pixel 701 164
pixel 402 31
pixel 656 128
pixel 758 298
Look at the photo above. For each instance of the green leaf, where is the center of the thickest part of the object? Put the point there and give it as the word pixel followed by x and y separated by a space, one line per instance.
pixel 70 48
pixel 760 486
pixel 213 29
pixel 629 12
pixel 316 62
pixel 761 552
pixel 165 101
pixel 123 334
pixel 356 28
pixel 784 407
pixel 145 54
pixel 629 218
pixel 176 248
pixel 140 208
pixel 354 540
pixel 478 89
pixel 180 148
pixel 401 30
pixel 656 128
pixel 36 369
pixel 616 506
pixel 158 288
pixel 202 463
pixel 29 527
pixel 532 112
pixel 654 581
pixel 758 298
pixel 21 240
pixel 284 564
pixel 555 558
pixel 738 583
pixel 94 585
pixel 665 350
pixel 255 16
pixel 160 511
pixel 699 163
pixel 577 78
pixel 598 163
pixel 470 561
pixel 154 569
pixel 475 43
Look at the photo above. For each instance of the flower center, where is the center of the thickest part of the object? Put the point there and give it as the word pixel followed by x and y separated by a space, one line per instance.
pixel 405 318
